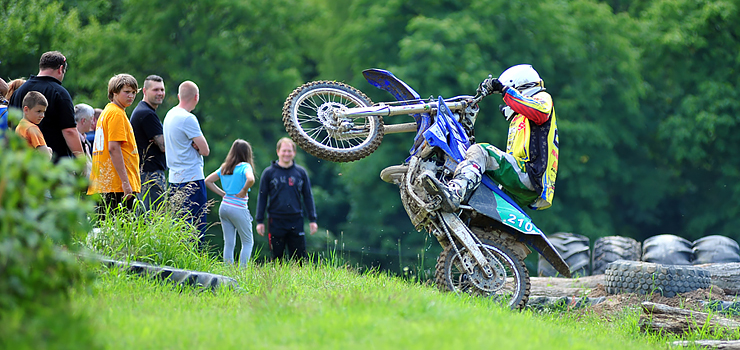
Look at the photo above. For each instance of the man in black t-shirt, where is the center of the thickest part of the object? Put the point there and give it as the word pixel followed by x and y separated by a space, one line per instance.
pixel 58 126
pixel 150 141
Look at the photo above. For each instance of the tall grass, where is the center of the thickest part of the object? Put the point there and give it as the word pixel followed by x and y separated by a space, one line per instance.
pixel 161 236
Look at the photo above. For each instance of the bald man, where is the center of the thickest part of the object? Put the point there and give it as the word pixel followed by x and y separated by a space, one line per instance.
pixel 185 147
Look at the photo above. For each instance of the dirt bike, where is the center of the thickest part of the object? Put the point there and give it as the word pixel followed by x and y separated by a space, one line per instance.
pixel 486 241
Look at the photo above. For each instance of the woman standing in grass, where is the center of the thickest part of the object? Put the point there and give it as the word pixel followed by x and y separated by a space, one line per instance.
pixel 237 176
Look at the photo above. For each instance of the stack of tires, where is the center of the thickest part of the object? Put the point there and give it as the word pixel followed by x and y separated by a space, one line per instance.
pixel 574 249
pixel 613 248
pixel 666 266
pixel 669 249
pixel 665 249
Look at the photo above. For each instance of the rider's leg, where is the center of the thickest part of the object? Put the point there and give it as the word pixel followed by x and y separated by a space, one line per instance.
pixel 504 168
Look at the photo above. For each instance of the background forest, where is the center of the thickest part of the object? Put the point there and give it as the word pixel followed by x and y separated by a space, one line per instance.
pixel 645 92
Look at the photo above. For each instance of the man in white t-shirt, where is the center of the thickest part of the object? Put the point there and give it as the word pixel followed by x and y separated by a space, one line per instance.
pixel 185 147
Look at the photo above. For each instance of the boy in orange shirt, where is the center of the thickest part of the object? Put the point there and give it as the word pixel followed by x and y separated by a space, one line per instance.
pixel 34 107
pixel 115 158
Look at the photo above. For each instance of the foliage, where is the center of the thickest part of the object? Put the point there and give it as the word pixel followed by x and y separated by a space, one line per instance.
pixel 30 28
pixel 41 216
pixel 643 92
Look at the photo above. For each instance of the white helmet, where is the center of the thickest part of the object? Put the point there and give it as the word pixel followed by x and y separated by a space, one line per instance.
pixel 523 78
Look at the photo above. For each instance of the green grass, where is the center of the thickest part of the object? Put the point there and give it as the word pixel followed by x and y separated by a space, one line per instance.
pixel 328 307
pixel 323 305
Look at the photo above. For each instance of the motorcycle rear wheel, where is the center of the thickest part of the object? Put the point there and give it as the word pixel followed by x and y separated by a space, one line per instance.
pixel 514 293
pixel 309 118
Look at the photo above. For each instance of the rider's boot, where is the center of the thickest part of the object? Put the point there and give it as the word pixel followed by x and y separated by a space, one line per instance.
pixel 466 179
pixel 451 194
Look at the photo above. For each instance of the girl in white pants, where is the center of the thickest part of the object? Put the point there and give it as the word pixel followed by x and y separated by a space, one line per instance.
pixel 237 176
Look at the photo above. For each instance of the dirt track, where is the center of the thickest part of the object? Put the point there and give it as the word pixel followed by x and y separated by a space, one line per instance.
pixel 593 287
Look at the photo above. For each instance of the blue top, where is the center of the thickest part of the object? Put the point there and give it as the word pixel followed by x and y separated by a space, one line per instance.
pixel 3 120
pixel 234 183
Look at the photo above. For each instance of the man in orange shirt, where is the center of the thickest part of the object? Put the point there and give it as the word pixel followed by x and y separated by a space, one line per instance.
pixel 115 158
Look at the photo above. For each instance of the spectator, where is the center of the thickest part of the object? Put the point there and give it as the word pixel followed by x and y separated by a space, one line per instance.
pixel 185 147
pixel 3 91
pixel 3 108
pixel 5 122
pixel 58 125
pixel 83 117
pixel 282 185
pixel 237 177
pixel 150 140
pixel 115 159
pixel 12 86
pixel 34 106
pixel 90 135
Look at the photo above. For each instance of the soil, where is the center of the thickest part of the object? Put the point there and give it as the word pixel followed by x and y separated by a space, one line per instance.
pixel 616 303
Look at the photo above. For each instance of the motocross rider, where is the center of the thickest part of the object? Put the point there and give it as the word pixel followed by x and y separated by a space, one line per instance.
pixel 527 170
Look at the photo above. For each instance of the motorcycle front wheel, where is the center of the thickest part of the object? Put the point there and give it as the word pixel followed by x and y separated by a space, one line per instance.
pixel 311 118
pixel 509 284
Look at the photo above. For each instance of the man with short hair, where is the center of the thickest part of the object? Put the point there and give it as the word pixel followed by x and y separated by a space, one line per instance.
pixel 285 192
pixel 150 141
pixel 58 126
pixel 185 147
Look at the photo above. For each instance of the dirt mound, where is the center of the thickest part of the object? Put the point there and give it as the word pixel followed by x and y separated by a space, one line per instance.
pixel 616 303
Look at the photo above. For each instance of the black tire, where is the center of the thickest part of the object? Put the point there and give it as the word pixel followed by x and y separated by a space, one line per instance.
pixel 647 278
pixel 178 276
pixel 612 248
pixel 715 249
pixel 575 250
pixel 667 249
pixel 514 293
pixel 308 121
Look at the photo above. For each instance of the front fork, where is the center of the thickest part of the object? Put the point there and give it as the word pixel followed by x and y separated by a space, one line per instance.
pixel 447 227
pixel 453 229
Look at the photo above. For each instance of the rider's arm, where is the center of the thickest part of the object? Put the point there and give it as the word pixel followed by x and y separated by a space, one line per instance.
pixel 536 109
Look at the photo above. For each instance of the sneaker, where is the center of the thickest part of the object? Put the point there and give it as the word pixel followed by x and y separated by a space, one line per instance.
pixel 450 195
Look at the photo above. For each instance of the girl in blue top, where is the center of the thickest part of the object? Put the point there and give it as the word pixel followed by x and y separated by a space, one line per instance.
pixel 237 176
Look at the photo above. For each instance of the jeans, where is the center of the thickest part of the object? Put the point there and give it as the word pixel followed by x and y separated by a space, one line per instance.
pixel 193 197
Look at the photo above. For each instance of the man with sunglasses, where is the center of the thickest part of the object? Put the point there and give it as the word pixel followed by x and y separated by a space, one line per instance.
pixel 58 126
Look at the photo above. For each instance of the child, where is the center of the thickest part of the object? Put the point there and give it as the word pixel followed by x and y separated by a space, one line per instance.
pixel 115 157
pixel 237 176
pixel 34 107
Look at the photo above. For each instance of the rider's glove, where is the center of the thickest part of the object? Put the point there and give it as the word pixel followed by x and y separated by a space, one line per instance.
pixel 506 111
pixel 491 86
pixel 495 86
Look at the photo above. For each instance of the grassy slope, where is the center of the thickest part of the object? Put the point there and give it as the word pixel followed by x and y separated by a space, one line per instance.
pixel 289 307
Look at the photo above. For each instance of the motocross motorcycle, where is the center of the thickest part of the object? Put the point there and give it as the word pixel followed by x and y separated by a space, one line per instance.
pixel 486 241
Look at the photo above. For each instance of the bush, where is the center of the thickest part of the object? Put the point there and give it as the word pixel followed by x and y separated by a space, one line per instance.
pixel 41 215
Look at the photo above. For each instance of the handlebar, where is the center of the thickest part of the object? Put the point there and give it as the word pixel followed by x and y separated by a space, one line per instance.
pixel 454 103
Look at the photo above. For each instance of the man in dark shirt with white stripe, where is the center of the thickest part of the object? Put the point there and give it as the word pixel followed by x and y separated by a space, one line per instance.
pixel 282 185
